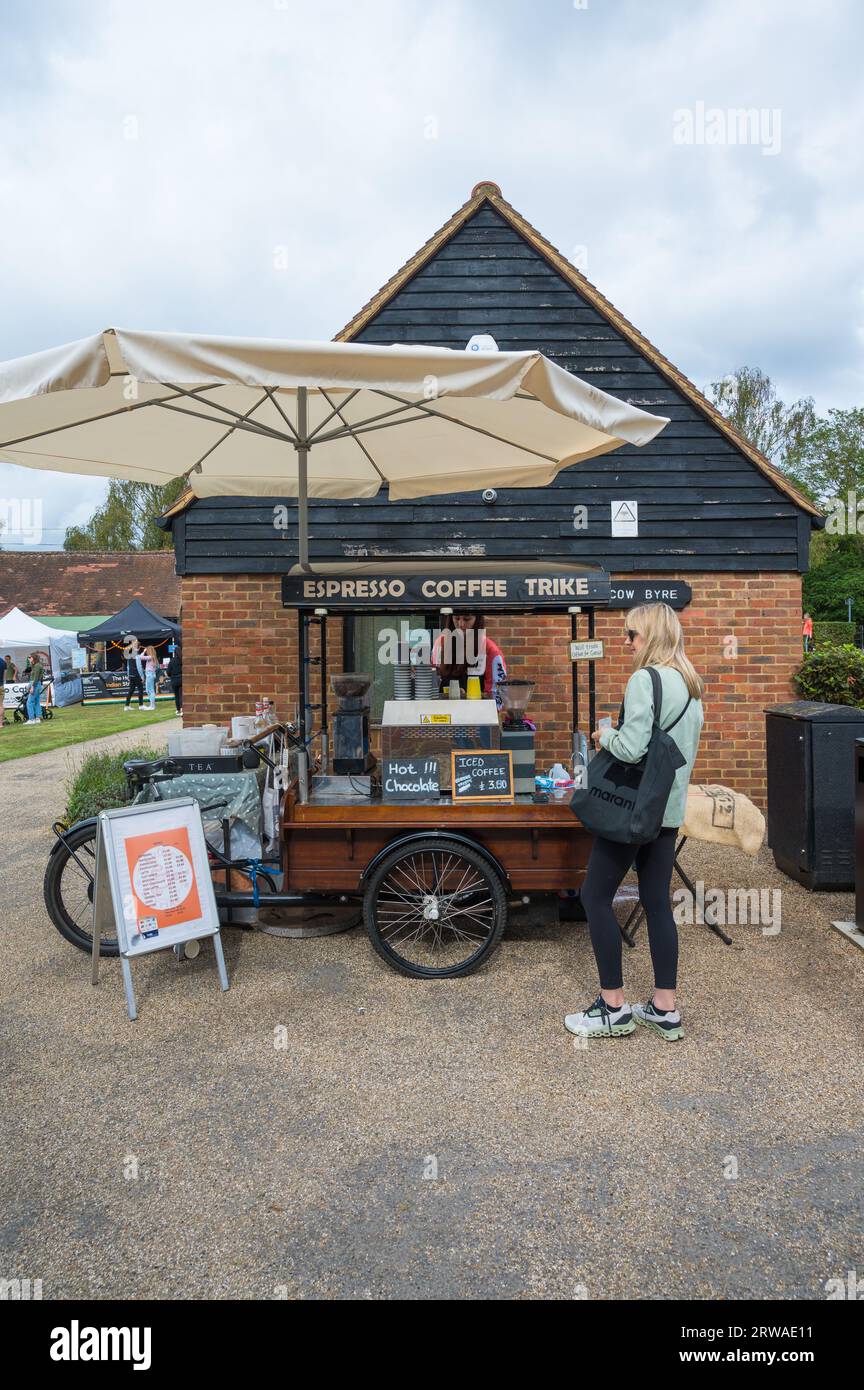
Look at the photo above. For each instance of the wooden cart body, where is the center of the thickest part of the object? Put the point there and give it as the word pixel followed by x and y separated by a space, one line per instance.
pixel 329 847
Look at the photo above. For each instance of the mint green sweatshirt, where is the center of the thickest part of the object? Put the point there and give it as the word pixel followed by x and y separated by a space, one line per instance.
pixel 629 742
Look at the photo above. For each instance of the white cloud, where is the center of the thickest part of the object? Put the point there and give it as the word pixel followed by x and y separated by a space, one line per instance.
pixel 271 135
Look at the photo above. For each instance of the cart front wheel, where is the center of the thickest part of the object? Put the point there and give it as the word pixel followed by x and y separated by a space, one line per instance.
pixel 435 908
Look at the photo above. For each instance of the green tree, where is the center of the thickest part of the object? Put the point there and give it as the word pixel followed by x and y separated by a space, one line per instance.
pixel 830 460
pixel 838 576
pixel 126 520
pixel 748 399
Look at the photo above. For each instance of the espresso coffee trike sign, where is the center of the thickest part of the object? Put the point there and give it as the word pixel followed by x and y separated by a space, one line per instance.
pixel 435 868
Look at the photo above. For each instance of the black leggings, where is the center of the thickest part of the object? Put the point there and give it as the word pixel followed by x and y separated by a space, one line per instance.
pixel 607 866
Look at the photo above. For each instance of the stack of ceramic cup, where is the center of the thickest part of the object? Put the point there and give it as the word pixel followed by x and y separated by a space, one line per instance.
pixel 425 683
pixel 402 689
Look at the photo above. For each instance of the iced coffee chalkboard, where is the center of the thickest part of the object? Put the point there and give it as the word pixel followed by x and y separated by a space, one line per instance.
pixel 409 779
pixel 483 775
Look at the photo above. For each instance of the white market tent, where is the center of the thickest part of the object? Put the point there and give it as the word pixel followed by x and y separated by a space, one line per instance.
pixel 20 635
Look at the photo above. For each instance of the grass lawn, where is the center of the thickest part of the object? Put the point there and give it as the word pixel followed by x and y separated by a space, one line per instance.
pixel 75 724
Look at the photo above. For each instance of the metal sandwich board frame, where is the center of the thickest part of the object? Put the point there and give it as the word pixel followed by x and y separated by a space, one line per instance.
pixel 114 900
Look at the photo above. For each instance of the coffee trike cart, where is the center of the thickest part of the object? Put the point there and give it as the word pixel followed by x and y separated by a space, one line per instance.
pixel 435 862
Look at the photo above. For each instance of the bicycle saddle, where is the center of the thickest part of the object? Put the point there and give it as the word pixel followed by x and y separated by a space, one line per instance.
pixel 143 768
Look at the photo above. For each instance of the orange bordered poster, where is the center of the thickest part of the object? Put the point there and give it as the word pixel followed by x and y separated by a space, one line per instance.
pixel 162 879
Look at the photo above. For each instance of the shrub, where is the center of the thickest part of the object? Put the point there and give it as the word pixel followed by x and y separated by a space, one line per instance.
pixel 833 634
pixel 100 782
pixel 832 675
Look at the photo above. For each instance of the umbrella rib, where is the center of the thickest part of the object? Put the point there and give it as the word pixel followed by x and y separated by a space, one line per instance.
pixel 240 423
pixel 362 424
pixel 337 410
pixel 235 414
pixel 94 419
pixel 272 396
pixel 196 467
pixel 358 442
pixel 463 424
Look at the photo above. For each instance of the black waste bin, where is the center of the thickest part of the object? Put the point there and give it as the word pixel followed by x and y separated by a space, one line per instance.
pixel 858 775
pixel 811 791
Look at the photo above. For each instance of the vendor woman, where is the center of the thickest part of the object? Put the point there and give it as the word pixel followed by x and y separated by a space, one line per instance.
pixel 463 648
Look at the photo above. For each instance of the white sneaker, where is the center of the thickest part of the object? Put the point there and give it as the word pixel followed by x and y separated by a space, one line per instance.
pixel 601 1021
pixel 667 1024
pixel 128 709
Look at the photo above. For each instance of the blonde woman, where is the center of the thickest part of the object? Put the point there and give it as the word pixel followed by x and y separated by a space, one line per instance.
pixel 151 666
pixel 653 637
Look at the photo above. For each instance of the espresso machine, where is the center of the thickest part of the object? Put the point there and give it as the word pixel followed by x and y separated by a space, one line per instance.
pixel 350 748
pixel 516 734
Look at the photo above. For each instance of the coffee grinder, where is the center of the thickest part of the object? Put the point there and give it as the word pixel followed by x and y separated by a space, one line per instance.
pixel 516 733
pixel 351 724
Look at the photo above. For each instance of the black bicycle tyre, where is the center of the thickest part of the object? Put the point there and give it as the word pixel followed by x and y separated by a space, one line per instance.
pixel 490 877
pixel 77 838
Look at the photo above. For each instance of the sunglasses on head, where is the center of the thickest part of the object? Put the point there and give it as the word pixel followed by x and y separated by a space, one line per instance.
pixel 631 634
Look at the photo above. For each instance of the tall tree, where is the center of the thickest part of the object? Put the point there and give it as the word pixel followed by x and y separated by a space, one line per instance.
pixel 830 458
pixel 748 398
pixel 126 520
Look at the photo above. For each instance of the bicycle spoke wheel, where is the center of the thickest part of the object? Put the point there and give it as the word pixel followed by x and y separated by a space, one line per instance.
pixel 68 889
pixel 435 908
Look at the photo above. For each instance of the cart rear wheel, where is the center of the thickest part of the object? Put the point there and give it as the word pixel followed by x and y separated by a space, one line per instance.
pixel 435 908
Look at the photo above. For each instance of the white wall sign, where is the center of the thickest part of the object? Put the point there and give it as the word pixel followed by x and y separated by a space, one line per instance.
pixel 586 651
pixel 625 518
pixel 153 884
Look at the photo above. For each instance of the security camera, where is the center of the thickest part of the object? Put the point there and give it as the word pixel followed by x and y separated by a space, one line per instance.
pixel 490 496
pixel 481 342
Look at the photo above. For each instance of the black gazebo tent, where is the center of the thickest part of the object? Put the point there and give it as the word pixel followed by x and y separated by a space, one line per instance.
pixel 135 620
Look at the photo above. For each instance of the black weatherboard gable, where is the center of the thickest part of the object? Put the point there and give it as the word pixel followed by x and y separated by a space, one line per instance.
pixel 704 505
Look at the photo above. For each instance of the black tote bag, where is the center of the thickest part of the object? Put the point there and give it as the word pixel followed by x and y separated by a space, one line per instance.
pixel 626 801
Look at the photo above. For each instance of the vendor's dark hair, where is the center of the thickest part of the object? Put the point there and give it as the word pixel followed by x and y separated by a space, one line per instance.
pixel 479 620
pixel 457 670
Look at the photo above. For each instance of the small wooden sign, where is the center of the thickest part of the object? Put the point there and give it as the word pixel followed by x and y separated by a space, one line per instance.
pixel 484 774
pixel 409 779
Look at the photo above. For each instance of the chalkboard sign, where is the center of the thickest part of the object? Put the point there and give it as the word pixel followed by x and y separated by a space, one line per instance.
pixel 409 779
pixel 483 775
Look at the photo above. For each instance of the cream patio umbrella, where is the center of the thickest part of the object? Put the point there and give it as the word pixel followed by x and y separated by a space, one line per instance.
pixel 266 418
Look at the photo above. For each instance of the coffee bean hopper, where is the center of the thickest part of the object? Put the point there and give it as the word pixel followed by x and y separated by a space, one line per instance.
pixel 515 697
pixel 351 754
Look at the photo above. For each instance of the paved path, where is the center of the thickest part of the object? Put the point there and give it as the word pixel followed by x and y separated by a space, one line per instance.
pixel 328 1129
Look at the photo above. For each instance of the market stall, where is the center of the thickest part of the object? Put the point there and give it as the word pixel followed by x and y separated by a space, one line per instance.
pixel 430 822
pixel 20 636
pixel 108 679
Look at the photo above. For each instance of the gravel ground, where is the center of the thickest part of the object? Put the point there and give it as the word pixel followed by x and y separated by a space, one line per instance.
pixel 329 1129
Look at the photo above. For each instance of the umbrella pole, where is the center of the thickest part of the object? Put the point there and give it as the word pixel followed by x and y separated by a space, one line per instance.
pixel 302 481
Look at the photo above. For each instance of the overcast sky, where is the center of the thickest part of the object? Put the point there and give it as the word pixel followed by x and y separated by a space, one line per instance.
pixel 160 164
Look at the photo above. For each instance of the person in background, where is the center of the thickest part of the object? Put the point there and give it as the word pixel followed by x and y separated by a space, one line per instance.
pixel 461 648
pixel 2 670
pixel 807 629
pixel 34 694
pixel 175 676
pixel 135 672
pixel 10 674
pixel 151 669
pixel 653 637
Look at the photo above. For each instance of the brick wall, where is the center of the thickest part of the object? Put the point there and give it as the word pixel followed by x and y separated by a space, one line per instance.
pixel 240 643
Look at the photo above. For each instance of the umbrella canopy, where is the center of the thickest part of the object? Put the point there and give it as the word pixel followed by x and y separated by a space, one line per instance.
pixel 247 417
pixel 135 620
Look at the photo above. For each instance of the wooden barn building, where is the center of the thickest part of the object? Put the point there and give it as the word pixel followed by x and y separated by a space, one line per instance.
pixel 720 530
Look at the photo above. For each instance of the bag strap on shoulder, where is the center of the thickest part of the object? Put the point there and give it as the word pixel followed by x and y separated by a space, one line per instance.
pixel 658 700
